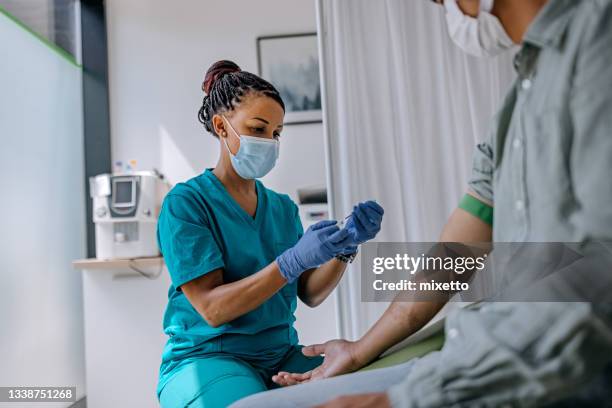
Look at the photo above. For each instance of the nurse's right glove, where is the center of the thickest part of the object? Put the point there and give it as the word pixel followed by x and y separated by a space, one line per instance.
pixel 320 243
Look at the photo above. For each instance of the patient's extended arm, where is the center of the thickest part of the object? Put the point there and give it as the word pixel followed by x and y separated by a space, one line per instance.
pixel 399 321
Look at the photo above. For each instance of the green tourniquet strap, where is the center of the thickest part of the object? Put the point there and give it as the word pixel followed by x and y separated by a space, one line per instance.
pixel 477 208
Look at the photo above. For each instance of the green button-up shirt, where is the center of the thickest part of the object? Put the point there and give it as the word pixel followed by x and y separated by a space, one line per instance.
pixel 546 168
pixel 546 165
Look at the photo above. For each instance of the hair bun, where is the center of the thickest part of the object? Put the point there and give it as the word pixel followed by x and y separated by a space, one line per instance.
pixel 216 71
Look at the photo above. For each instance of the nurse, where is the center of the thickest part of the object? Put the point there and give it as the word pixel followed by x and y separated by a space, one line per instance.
pixel 238 257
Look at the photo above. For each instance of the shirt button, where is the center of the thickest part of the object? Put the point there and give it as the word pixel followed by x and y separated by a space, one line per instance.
pixel 526 84
pixel 519 205
pixel 517 143
pixel 452 333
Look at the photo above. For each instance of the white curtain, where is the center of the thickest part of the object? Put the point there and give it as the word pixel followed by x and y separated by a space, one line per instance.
pixel 403 109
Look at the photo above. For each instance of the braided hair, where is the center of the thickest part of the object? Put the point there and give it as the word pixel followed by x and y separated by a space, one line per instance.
pixel 225 85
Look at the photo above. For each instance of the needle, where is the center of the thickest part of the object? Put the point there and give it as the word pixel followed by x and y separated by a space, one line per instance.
pixel 341 223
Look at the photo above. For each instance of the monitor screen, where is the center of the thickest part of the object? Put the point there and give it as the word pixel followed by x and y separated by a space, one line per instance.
pixel 123 193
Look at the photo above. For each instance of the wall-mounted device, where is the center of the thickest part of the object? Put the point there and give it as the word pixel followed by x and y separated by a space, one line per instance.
pixel 125 211
pixel 312 205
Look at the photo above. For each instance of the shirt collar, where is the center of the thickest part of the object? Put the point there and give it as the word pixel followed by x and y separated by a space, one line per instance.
pixel 549 26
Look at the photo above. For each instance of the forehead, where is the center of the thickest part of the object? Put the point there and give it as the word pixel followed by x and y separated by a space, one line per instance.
pixel 262 106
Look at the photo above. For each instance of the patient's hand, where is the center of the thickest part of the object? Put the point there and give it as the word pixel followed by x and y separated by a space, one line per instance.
pixel 340 358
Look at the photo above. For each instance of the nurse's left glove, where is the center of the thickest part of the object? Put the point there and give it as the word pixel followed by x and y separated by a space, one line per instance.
pixel 364 222
pixel 320 243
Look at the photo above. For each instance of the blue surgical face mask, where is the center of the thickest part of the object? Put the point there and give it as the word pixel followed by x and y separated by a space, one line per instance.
pixel 255 157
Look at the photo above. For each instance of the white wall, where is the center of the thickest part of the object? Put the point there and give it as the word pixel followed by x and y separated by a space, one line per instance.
pixel 43 215
pixel 159 52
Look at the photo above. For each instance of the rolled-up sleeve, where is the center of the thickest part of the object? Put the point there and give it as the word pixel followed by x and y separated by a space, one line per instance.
pixel 560 345
pixel 481 179
pixel 186 241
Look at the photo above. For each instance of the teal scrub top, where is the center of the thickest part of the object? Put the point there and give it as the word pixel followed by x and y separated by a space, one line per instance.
pixel 201 228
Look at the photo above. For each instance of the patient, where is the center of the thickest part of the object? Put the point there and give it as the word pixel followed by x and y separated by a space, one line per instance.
pixel 552 185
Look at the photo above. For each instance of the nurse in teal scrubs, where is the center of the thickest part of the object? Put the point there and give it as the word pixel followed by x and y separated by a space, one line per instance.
pixel 238 257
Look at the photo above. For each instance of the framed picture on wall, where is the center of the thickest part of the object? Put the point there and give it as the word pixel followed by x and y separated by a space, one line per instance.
pixel 291 64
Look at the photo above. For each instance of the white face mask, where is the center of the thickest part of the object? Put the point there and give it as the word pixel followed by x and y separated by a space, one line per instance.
pixel 483 36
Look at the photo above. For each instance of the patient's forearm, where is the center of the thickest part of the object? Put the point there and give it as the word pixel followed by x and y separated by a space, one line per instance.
pixel 402 319
pixel 398 322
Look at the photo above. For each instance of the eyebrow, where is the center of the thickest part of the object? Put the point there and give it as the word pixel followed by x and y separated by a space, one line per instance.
pixel 266 122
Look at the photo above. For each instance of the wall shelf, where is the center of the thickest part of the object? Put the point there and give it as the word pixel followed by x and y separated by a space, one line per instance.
pixel 93 263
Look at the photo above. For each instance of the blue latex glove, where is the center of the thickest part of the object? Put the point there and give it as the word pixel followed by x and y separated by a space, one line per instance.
pixel 364 222
pixel 349 250
pixel 320 243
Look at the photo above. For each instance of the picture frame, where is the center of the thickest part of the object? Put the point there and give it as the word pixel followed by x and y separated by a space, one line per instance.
pixel 290 62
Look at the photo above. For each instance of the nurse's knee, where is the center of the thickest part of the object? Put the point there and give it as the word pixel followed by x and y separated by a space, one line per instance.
pixel 227 390
pixel 211 382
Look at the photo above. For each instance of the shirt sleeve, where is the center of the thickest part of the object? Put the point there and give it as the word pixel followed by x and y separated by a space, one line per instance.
pixel 186 241
pixel 481 179
pixel 522 354
pixel 591 113
pixel 298 221
pixel 292 212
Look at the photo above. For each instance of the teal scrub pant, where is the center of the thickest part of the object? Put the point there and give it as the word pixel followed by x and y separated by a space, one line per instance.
pixel 218 380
